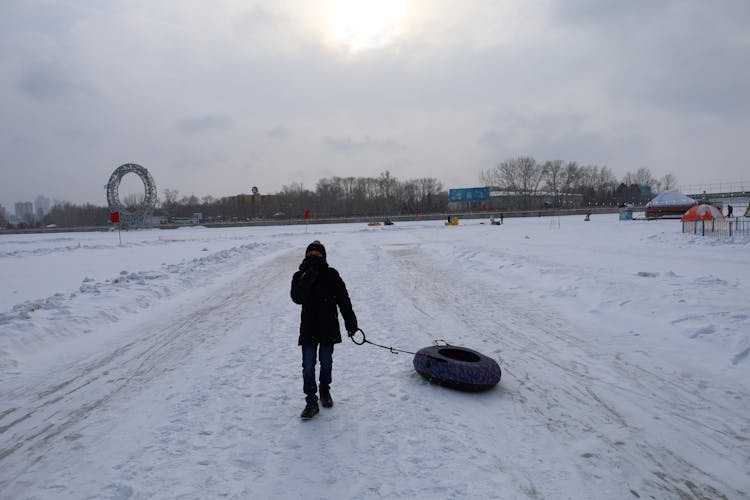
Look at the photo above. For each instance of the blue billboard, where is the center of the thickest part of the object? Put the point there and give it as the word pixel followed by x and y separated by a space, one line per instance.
pixel 469 194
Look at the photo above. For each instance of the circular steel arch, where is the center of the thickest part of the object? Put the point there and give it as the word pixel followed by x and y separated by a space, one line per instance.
pixel 128 218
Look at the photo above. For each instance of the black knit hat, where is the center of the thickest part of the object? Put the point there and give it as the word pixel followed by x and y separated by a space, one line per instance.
pixel 316 246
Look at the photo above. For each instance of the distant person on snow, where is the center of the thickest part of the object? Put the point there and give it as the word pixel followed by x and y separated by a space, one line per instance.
pixel 730 209
pixel 320 289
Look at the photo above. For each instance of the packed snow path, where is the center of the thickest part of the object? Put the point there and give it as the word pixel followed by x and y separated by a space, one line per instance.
pixel 198 394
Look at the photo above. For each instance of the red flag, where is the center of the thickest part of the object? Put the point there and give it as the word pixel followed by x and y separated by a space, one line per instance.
pixel 307 213
pixel 114 217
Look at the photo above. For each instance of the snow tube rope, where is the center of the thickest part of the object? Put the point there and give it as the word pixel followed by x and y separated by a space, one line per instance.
pixel 392 349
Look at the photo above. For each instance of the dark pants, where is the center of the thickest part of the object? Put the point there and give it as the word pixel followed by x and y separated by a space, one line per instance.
pixel 309 354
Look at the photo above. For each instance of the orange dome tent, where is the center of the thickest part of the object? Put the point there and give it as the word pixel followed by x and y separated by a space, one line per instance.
pixel 702 212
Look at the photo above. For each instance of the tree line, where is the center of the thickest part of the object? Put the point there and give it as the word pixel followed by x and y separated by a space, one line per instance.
pixel 332 197
pixel 596 185
pixel 364 196
pixel 385 195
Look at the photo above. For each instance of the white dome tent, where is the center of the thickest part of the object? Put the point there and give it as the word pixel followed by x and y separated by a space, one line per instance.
pixel 669 205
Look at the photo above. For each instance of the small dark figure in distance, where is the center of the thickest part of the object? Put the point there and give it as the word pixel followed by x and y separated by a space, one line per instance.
pixel 588 216
pixel 730 209
pixel 501 218
pixel 319 289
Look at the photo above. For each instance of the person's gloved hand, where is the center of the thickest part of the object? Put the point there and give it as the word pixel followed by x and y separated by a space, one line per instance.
pixel 352 331
pixel 311 262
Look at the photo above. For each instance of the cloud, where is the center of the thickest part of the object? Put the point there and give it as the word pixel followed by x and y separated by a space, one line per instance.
pixel 681 57
pixel 251 90
pixel 204 124
pixel 280 132
pixel 49 82
pixel 348 145
pixel 569 136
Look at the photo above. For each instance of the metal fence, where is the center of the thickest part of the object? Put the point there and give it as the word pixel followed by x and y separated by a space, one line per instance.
pixel 722 228
pixel 715 187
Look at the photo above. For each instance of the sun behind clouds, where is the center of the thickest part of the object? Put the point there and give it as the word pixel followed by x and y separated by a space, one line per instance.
pixel 360 25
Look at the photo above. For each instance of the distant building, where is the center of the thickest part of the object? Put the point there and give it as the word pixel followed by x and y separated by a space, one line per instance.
pixel 41 206
pixel 157 220
pixel 2 212
pixel 500 199
pixel 24 210
pixel 250 206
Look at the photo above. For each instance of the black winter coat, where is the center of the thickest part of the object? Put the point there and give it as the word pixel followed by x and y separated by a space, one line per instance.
pixel 320 291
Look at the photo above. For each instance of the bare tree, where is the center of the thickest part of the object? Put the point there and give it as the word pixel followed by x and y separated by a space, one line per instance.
pixel 330 193
pixel 641 177
pixel 386 184
pixel 133 201
pixel 295 199
pixel 604 179
pixel 169 199
pixel 386 188
pixel 491 177
pixel 509 175
pixel 668 182
pixel 553 171
pixel 570 178
pixel 293 188
pixel 67 214
pixel 191 200
pixel 530 175
pixel 429 190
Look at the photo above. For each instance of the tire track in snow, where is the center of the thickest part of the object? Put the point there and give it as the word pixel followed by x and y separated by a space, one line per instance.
pixel 506 447
pixel 583 397
pixel 51 414
pixel 228 429
pixel 676 418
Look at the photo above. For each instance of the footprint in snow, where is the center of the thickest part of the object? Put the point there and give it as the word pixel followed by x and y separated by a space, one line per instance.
pixel 741 356
pixel 646 274
pixel 706 330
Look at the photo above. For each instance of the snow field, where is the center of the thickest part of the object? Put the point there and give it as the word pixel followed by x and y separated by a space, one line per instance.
pixel 621 345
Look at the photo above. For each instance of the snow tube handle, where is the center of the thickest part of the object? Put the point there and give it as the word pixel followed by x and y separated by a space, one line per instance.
pixel 364 339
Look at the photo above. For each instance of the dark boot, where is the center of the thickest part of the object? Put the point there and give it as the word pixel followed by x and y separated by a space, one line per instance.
pixel 325 398
pixel 310 411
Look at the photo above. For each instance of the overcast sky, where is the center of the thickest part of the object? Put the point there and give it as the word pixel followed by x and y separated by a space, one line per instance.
pixel 216 97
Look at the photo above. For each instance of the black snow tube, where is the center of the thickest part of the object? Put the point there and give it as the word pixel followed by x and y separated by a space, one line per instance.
pixel 457 367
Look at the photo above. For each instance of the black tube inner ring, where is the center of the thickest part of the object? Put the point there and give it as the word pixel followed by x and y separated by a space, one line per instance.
pixel 459 355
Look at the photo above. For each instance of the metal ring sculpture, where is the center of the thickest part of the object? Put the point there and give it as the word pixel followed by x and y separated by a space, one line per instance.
pixel 128 218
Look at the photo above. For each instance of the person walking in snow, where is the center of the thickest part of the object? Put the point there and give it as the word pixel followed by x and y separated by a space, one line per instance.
pixel 319 289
